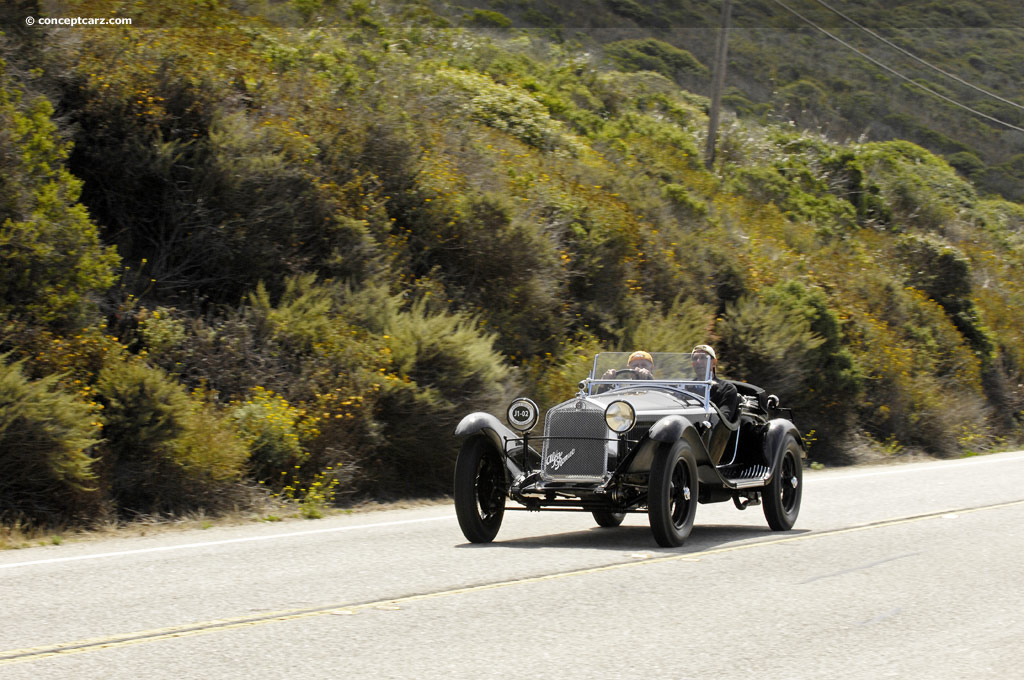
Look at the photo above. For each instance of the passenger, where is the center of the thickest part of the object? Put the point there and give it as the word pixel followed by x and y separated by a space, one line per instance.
pixel 723 393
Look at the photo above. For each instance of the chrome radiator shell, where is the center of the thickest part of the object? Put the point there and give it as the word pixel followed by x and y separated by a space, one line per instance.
pixel 577 443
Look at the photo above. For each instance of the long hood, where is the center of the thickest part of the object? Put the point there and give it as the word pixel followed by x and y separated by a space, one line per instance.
pixel 648 403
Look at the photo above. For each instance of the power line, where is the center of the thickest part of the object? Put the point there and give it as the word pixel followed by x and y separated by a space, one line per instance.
pixel 894 71
pixel 918 59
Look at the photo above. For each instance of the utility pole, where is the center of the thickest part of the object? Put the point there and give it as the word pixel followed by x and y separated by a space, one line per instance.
pixel 717 80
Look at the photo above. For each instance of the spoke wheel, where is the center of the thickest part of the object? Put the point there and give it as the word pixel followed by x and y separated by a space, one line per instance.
pixel 782 495
pixel 672 494
pixel 480 489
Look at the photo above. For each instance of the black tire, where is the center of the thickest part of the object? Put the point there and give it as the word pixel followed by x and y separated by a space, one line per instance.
pixel 782 496
pixel 672 494
pixel 480 489
pixel 608 519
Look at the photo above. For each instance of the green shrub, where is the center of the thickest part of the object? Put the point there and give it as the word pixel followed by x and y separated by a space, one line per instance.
pixel 443 368
pixel 46 440
pixel 944 273
pixel 689 207
pixel 946 422
pixel 163 451
pixel 628 9
pixel 803 95
pixel 768 344
pixel 554 378
pixel 637 13
pixel 846 180
pixel 373 388
pixel 683 324
pixel 524 308
pixel 487 19
pixel 508 109
pixel 772 342
pixel 302 316
pixel 446 352
pixel 920 189
pixel 808 178
pixel 654 55
pixel 211 456
pixel 967 163
pixel 51 259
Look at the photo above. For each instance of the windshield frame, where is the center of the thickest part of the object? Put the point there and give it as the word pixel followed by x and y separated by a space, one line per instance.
pixel 675 371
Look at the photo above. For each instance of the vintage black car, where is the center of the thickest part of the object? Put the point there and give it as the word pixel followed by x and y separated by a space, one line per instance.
pixel 624 444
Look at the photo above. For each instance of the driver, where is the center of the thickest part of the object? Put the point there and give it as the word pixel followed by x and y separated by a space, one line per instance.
pixel 640 362
pixel 723 393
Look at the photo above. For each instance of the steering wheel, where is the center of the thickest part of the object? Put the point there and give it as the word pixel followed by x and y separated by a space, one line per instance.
pixel 632 372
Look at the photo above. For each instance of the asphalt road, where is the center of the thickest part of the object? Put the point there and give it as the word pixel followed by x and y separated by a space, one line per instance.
pixel 901 571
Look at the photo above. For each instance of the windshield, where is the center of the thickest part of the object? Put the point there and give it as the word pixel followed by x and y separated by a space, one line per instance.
pixel 668 367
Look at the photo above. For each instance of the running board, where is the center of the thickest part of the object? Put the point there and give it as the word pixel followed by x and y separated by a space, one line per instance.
pixel 745 476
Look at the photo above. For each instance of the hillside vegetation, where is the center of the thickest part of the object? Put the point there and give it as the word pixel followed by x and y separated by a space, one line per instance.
pixel 289 244
pixel 854 70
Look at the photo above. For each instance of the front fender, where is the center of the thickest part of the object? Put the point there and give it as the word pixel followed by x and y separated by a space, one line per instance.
pixel 485 424
pixel 775 437
pixel 475 422
pixel 669 430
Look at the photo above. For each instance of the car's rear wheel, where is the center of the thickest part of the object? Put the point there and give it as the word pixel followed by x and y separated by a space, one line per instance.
pixel 480 489
pixel 672 494
pixel 782 496
pixel 608 519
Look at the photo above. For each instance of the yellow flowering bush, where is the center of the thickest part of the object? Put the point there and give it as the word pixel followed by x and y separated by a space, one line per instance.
pixel 509 109
pixel 274 430
pixel 160 330
pixel 312 497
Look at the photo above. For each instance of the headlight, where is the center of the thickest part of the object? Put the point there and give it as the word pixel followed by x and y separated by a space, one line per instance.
pixel 620 416
pixel 522 414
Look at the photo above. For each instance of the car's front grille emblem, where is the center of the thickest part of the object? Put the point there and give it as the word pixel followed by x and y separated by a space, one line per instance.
pixel 556 459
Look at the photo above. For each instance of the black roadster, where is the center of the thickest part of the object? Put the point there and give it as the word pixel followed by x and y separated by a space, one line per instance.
pixel 624 444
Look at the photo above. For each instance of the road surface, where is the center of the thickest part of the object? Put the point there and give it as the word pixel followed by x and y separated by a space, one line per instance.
pixel 900 571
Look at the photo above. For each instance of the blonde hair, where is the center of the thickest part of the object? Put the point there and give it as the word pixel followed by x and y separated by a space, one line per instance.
pixel 640 354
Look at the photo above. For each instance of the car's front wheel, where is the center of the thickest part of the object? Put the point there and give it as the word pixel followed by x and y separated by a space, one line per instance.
pixel 782 495
pixel 480 489
pixel 672 494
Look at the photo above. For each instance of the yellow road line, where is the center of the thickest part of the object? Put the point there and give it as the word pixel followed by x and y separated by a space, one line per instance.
pixel 111 642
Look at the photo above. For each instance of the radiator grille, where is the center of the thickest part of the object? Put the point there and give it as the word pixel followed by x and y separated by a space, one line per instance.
pixel 575 443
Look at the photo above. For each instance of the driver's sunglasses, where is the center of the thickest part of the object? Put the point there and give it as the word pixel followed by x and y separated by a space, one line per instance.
pixel 641 363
